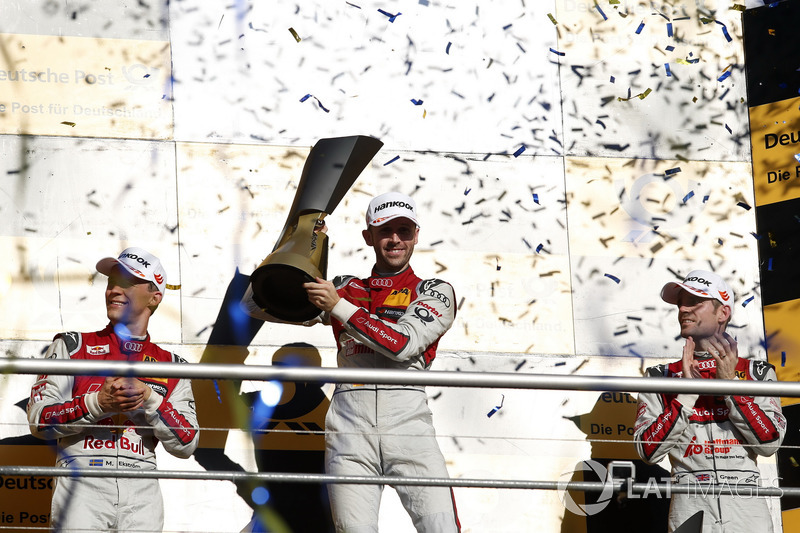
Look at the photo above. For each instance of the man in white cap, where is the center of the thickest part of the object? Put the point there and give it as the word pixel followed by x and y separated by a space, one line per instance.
pixel 712 441
pixel 114 422
pixel 391 319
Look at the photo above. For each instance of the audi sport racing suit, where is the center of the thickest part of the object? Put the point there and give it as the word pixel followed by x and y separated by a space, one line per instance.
pixel 712 441
pixel 66 408
pixel 392 321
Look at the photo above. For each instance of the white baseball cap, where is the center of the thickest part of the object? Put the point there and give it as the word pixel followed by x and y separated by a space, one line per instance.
pixel 701 283
pixel 387 206
pixel 140 263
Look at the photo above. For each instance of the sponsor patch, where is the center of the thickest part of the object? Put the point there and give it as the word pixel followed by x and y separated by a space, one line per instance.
pixel 98 350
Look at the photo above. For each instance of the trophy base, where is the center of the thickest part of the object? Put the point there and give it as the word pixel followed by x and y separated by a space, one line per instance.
pixel 278 290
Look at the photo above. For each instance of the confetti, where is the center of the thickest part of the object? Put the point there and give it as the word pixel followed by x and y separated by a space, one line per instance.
pixel 613 79
pixel 294 34
pixel 557 52
pixel 416 102
pixel 769 265
pixel 395 158
pixel 685 198
pixel 743 206
pixel 670 48
pixel 744 303
pixel 666 67
pixel 536 199
pixel 725 75
pixel 353 5
pixel 797 156
pixel 447 50
pixel 497 407
pixel 552 19
pixel 72 124
pixel 783 358
pixel 731 132
pixel 306 97
pixel 671 171
pixel 539 248
pixel 560 363
pixel 724 31
pixel 601 12
pixel 615 279
pixel 391 17
pixel 467 191
pixel 519 151
pixel 640 28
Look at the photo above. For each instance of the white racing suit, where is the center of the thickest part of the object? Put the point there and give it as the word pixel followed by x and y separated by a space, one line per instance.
pixel 713 441
pixel 392 322
pixel 66 408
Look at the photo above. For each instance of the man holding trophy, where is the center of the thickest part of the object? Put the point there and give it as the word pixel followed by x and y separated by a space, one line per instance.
pixel 392 319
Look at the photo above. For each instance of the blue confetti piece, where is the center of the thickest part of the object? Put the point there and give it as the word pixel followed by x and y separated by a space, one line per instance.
pixel 640 28
pixel 466 191
pixel 615 279
pixel 756 236
pixel 743 206
pixel 447 50
pixel 671 171
pixel 557 52
pixel 416 102
pixel 724 75
pixel 536 198
pixel 724 31
pixel 769 265
pixel 669 29
pixel 306 97
pixel 731 132
pixel 670 48
pixel 705 198
pixel 395 158
pixel 744 303
pixel 601 12
pixel 539 248
pixel 216 388
pixel 797 156
pixel 783 358
pixel 508 26
pixel 497 407
pixel 666 67
pixel 613 79
pixel 391 17
pixel 685 198
pixel 560 363
pixel 519 151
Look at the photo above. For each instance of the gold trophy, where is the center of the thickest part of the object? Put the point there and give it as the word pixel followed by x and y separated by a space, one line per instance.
pixel 301 253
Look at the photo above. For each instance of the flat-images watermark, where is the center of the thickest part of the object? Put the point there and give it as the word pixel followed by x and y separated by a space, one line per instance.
pixel 663 487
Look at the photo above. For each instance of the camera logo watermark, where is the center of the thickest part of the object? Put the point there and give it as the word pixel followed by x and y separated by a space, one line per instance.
pixel 586 509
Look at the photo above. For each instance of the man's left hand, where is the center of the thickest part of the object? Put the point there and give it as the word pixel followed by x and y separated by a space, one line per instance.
pixel 722 348
pixel 322 294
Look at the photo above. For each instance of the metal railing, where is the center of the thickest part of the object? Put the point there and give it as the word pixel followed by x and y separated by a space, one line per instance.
pixel 440 378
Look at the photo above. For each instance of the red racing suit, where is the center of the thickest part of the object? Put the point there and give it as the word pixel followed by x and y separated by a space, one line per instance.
pixel 392 321
pixel 66 408
pixel 712 440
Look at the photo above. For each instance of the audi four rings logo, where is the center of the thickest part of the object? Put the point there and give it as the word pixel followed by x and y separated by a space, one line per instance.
pixel 130 346
pixel 381 282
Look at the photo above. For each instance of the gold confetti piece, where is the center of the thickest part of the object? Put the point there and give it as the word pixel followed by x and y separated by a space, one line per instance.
pixel 682 61
pixel 294 34
pixel 424 113
pixel 644 94
pixel 738 7
pixel 552 19
pixel 173 287
pixel 793 461
pixel 771 31
pixel 68 123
